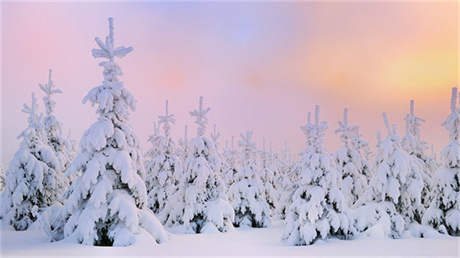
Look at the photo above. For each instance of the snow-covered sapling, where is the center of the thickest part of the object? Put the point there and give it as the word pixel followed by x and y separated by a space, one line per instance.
pixel 351 163
pixel 444 211
pixel 107 203
pixel 202 205
pixel 162 167
pixel 248 194
pixel 317 210
pixel 31 177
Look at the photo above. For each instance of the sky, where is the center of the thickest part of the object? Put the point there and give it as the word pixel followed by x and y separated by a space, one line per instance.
pixel 260 66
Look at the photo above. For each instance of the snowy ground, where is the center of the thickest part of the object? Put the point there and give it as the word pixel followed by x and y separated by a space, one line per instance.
pixel 241 242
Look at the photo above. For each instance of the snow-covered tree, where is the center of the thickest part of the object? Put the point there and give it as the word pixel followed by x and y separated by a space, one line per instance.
pixel 162 167
pixel 287 179
pixel 396 185
pixel 2 178
pixel 317 208
pixel 415 146
pixel 107 203
pixel 202 205
pixel 62 146
pixel 183 149
pixel 444 211
pixel 351 164
pixel 248 194
pixel 231 158
pixel 268 177
pixel 31 178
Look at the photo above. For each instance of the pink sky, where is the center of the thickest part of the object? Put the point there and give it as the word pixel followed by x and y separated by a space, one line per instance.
pixel 259 66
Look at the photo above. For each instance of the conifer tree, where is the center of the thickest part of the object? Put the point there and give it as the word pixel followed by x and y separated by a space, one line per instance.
pixel 351 164
pixel 62 146
pixel 31 178
pixel 202 205
pixel 317 206
pixel 396 185
pixel 107 203
pixel 268 177
pixel 248 195
pixel 444 211
pixel 415 146
pixel 163 167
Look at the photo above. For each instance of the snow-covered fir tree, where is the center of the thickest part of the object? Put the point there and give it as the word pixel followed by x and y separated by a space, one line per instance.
pixel 287 179
pixel 62 146
pixel 202 205
pixel 183 146
pixel 107 203
pixel 415 146
pixel 317 208
pixel 32 183
pixel 444 211
pixel 163 167
pixel 231 158
pixel 2 178
pixel 268 177
pixel 248 194
pixel 351 164
pixel 395 189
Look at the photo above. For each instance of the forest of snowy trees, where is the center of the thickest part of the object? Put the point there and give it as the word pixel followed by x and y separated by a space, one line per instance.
pixel 107 191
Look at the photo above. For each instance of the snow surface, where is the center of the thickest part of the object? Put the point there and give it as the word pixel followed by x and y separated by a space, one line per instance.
pixel 241 242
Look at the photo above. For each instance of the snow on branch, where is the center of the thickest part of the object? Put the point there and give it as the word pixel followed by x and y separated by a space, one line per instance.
pixel 215 135
pixel 200 117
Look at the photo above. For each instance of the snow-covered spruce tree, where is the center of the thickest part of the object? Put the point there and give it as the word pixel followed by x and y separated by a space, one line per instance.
pixel 2 178
pixel 268 177
pixel 203 205
pixel 415 146
pixel 61 145
pixel 395 189
pixel 248 194
pixel 107 203
pixel 183 148
pixel 317 209
pixel 444 211
pixel 31 182
pixel 287 179
pixel 351 164
pixel 230 155
pixel 162 168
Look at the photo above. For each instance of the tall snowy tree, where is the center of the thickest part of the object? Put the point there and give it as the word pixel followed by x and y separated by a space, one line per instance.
pixel 396 186
pixel 248 194
pixel 317 209
pixel 202 205
pixel 351 164
pixel 61 145
pixel 32 182
pixel 107 203
pixel 444 211
pixel 163 168
pixel 415 146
